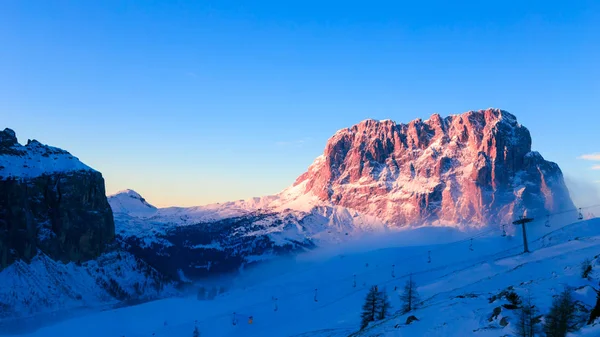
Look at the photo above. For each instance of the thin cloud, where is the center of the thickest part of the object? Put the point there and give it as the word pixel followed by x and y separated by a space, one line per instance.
pixel 191 74
pixel 590 156
pixel 295 143
pixel 596 167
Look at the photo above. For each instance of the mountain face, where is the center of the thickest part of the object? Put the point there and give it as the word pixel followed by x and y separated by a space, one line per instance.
pixel 54 211
pixel 475 168
pixel 467 170
pixel 50 202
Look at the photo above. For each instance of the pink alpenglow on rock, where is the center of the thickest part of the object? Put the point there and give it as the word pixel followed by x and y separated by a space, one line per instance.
pixel 475 168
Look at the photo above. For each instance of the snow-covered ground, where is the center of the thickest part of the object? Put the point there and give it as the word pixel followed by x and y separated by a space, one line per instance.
pixel 456 287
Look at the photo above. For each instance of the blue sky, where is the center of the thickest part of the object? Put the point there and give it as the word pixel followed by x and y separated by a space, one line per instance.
pixel 191 102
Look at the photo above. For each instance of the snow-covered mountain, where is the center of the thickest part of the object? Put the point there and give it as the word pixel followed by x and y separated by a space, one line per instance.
pixel 467 171
pixel 50 202
pixel 57 233
pixel 222 238
pixel 130 202
pixel 475 168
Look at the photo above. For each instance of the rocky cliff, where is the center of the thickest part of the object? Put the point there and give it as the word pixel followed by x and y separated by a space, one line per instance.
pixel 473 168
pixel 50 202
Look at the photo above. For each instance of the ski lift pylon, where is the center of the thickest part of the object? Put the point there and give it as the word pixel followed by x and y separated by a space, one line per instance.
pixel 316 300
pixel 580 215
pixel 471 245
pixel 547 224
pixel 428 256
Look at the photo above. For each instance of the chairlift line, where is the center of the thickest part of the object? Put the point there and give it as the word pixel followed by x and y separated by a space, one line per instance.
pixel 250 318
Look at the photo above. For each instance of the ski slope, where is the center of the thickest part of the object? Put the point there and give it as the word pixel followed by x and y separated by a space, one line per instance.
pixel 455 288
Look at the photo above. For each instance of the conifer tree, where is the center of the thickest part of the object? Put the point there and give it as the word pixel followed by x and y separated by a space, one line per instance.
pixel 527 325
pixel 385 305
pixel 410 296
pixel 196 332
pixel 596 310
pixel 371 307
pixel 562 317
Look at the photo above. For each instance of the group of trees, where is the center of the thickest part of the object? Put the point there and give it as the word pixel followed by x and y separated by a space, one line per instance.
pixel 377 305
pixel 562 318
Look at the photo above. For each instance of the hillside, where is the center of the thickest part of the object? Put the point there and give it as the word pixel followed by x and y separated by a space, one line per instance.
pixel 459 289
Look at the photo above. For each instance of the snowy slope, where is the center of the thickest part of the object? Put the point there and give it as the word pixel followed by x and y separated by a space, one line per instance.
pixel 44 287
pixel 33 159
pixel 457 288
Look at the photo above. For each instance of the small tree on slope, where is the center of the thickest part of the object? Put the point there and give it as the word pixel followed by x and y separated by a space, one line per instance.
pixel 371 307
pixel 410 296
pixel 596 310
pixel 527 326
pixel 196 332
pixel 385 305
pixel 562 317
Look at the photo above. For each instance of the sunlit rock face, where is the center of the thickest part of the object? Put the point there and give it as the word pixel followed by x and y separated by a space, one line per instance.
pixel 474 168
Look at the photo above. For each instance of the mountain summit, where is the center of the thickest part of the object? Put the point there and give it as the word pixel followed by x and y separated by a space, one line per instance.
pixel 473 168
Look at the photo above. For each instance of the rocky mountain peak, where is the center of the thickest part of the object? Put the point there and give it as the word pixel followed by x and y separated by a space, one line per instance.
pixel 50 202
pixel 7 138
pixel 474 167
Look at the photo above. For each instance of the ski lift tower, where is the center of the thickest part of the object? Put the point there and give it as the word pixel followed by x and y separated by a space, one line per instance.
pixel 523 221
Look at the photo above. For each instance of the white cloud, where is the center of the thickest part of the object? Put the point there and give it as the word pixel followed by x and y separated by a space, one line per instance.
pixel 596 167
pixel 590 156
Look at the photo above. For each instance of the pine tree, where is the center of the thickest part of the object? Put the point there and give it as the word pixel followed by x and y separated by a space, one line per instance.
pixel 410 296
pixel 527 326
pixel 562 317
pixel 596 311
pixel 196 332
pixel 384 305
pixel 371 307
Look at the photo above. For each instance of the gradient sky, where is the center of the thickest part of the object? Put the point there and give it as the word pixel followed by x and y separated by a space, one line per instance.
pixel 191 102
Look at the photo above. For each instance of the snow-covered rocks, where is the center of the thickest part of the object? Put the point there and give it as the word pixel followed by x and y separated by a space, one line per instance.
pixel 34 159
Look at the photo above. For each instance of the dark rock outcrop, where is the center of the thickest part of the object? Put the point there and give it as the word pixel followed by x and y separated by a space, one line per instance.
pixel 51 202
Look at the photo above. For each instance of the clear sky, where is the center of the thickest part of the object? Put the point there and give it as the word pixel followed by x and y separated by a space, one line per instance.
pixel 191 102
